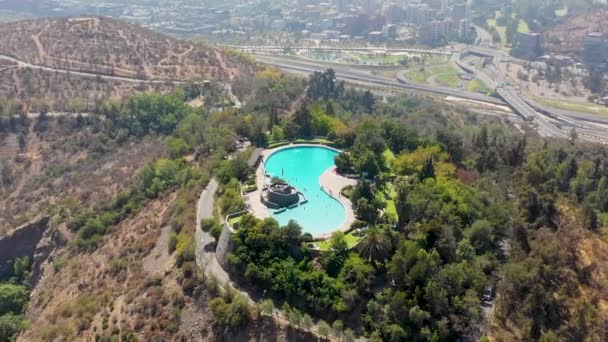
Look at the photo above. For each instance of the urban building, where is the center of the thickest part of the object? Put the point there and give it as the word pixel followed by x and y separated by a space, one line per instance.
pixel 369 7
pixel 375 36
pixel 595 48
pixel 527 45
pixel 389 32
pixel 459 11
pixel 464 29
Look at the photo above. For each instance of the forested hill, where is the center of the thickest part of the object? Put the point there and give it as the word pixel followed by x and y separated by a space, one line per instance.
pixel 59 61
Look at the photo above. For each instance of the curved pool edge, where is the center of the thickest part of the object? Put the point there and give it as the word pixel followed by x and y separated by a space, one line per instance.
pixel 330 179
pixel 344 202
pixel 290 146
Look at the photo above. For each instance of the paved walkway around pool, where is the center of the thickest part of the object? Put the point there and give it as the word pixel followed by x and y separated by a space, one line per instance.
pixel 333 183
pixel 330 180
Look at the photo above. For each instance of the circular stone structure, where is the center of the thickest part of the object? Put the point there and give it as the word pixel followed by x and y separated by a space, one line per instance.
pixel 301 167
pixel 282 196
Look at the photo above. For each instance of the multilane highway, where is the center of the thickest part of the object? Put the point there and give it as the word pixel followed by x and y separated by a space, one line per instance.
pixel 547 121
pixel 351 74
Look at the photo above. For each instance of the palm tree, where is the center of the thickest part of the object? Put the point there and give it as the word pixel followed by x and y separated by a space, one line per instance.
pixel 375 245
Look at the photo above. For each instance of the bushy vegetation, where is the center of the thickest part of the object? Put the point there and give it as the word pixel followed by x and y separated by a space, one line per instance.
pixel 230 310
pixel 458 198
pixel 14 296
pixel 438 199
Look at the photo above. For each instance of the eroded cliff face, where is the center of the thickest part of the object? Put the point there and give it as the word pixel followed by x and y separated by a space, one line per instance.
pixel 20 242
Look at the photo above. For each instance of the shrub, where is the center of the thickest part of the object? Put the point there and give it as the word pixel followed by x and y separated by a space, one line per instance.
pixel 230 313
pixel 172 244
pixel 12 298
pixel 185 248
pixel 10 325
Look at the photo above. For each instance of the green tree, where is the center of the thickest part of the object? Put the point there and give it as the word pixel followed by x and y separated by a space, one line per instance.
pixel 590 219
pixel 177 147
pixel 428 170
pixel 21 268
pixel 230 312
pixel 323 329
pixel 367 211
pixel 295 317
pixel 337 328
pixel 307 322
pixel 338 242
pixel 12 298
pixel 349 335
pixel 277 133
pixel 303 118
pixel 267 306
pixel 10 325
pixel 211 226
pixel 602 195
pixel 291 130
pixel 481 236
pixel 344 162
pixel 375 245
pixel 368 165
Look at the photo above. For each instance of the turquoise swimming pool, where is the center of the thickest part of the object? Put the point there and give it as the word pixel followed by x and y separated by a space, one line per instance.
pixel 301 167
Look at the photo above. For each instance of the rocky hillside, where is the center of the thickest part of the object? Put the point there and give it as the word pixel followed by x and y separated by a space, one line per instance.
pixel 60 60
pixel 568 36
pixel 42 170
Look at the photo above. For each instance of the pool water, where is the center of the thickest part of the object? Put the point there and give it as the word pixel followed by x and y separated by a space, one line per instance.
pixel 301 167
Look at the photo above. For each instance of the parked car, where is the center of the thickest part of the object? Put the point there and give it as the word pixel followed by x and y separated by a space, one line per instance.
pixel 488 292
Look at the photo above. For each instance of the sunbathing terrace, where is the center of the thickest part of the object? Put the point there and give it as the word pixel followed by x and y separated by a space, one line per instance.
pixel 329 182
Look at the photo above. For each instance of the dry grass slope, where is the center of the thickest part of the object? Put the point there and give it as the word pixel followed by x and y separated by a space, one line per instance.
pixel 569 36
pixel 105 47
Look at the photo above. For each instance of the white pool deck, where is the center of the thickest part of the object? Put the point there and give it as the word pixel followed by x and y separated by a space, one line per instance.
pixel 330 180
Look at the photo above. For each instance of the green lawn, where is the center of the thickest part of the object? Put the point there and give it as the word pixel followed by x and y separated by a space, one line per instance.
pixel 418 75
pixel 233 220
pixel 351 241
pixel 478 87
pixel 450 80
pixel 502 31
pixel 442 69
pixel 522 26
pixel 391 208
pixel 274 144
pixel 421 75
pixel 379 58
pixel 390 195
pixel 574 106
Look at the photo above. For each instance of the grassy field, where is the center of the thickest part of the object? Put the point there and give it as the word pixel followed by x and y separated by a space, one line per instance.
pixel 523 26
pixel 478 87
pixel 418 75
pixel 388 196
pixel 379 58
pixel 351 241
pixel 442 69
pixel 450 80
pixel 423 74
pixel 502 31
pixel 574 106
pixel 233 220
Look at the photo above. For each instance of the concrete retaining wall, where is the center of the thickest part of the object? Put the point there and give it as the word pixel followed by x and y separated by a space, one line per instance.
pixel 224 245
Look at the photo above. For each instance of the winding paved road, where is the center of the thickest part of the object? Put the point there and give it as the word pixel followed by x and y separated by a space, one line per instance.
pixel 205 243
pixel 23 64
